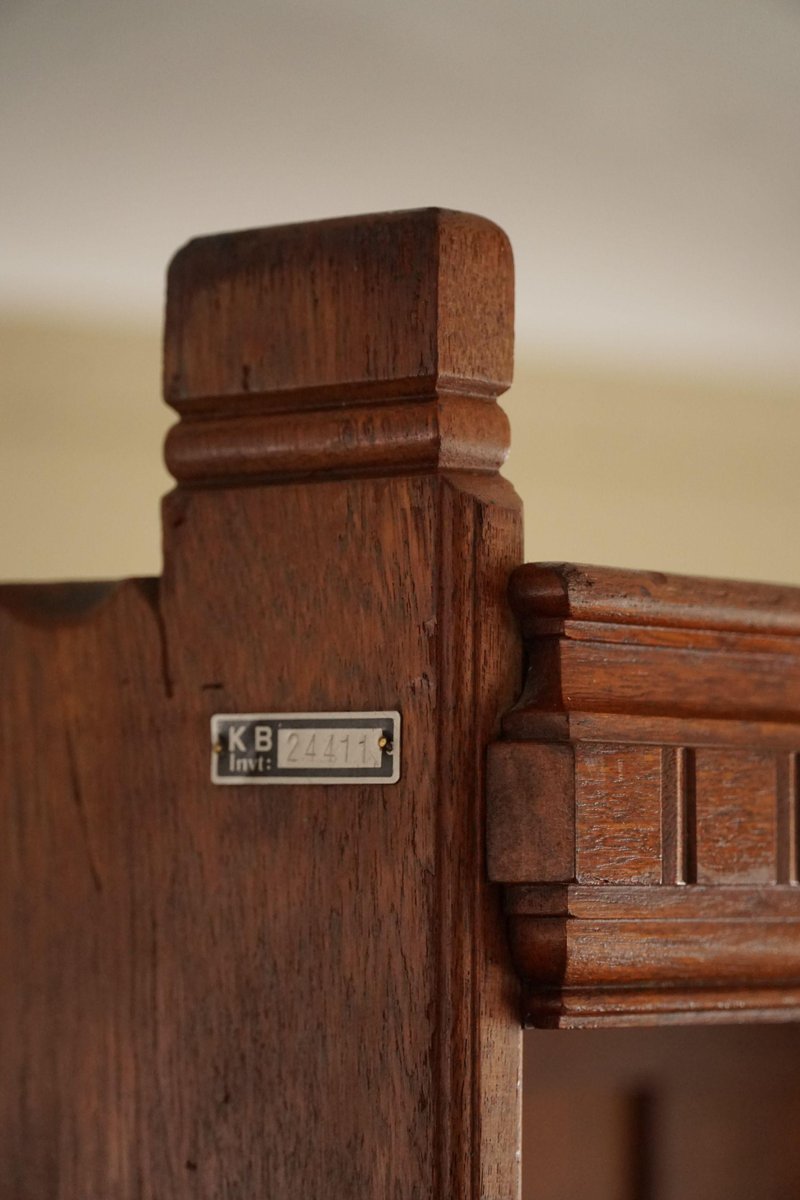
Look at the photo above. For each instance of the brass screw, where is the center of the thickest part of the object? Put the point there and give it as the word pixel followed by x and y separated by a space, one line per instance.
pixel 217 747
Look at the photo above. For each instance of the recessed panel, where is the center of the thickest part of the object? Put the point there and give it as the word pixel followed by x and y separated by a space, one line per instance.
pixel 735 801
pixel 618 817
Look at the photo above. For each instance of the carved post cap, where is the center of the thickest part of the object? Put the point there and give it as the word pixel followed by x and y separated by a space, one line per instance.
pixel 361 344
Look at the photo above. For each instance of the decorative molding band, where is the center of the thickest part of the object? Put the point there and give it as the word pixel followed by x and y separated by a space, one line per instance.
pixel 643 811
pixel 447 432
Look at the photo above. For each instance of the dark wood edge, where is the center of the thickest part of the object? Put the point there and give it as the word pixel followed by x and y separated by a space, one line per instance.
pixel 530 724
pixel 633 1007
pixel 608 902
pixel 575 592
pixel 68 602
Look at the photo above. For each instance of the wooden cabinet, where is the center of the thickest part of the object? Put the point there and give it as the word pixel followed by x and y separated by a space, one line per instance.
pixel 318 991
pixel 278 991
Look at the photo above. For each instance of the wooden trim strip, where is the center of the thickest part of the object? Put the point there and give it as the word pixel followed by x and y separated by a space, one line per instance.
pixel 787 820
pixel 606 594
pixel 614 902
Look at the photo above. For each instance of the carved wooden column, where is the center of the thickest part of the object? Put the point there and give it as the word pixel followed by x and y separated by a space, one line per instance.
pixel 279 991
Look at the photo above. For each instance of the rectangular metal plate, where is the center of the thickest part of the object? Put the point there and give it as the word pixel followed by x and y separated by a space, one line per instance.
pixel 340 747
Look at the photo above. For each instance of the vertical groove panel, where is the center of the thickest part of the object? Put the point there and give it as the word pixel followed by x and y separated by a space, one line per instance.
pixel 674 815
pixel 689 807
pixel 787 823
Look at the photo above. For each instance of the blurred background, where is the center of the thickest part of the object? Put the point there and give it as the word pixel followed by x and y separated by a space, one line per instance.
pixel 644 159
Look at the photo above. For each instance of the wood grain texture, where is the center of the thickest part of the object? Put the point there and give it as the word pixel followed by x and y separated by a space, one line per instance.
pixel 533 789
pixel 610 953
pixel 736 803
pixel 678 702
pixel 663 681
pixel 652 598
pixel 306 991
pixel 426 303
pixel 601 901
pixel 617 814
pixel 451 432
pixel 391 363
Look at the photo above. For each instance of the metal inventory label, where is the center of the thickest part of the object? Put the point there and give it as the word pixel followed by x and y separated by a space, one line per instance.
pixel 340 747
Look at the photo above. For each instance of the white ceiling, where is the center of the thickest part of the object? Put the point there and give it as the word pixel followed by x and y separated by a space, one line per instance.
pixel 643 156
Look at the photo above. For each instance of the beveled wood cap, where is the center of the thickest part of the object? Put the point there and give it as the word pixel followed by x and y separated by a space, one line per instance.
pixel 384 336
pixel 384 305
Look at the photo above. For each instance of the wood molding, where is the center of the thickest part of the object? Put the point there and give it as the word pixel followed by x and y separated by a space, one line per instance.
pixel 319 370
pixel 643 807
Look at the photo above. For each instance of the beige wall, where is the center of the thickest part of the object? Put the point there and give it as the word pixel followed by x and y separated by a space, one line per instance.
pixel 679 473
pixel 80 457
pixel 647 468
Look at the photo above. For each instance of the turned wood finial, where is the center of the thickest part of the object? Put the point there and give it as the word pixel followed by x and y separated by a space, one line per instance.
pixel 367 344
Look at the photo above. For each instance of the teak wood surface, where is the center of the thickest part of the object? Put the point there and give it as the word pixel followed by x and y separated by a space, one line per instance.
pixel 266 991
pixel 311 991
